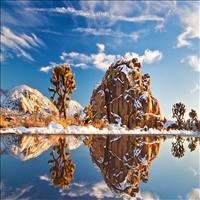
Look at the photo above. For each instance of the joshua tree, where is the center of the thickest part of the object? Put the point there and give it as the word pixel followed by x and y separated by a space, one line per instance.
pixel 178 111
pixel 193 115
pixel 89 117
pixel 63 85
pixel 63 169
pixel 193 121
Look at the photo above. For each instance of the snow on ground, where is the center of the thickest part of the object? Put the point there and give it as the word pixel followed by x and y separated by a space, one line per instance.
pixel 54 128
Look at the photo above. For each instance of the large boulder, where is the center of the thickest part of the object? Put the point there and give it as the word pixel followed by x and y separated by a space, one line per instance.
pixel 124 97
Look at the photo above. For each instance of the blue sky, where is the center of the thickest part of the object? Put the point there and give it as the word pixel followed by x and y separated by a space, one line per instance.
pixel 91 35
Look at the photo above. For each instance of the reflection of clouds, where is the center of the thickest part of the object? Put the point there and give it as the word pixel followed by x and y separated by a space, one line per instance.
pixel 100 190
pixel 194 194
pixel 194 171
pixel 148 196
pixel 141 196
pixel 7 193
pixel 44 178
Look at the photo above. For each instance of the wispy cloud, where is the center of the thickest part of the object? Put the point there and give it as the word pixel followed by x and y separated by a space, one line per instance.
pixel 101 60
pixel 44 178
pixel 19 43
pixel 190 24
pixel 101 47
pixel 98 15
pixel 193 61
pixel 195 89
pixel 18 194
pixel 111 33
pixel 17 16
pixel 194 171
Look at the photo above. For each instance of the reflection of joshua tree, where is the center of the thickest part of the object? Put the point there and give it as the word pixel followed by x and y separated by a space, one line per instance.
pixel 63 169
pixel 88 141
pixel 192 143
pixel 178 149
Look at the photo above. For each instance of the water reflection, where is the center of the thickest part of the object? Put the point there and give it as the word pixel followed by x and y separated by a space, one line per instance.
pixel 178 149
pixel 124 161
pixel 63 169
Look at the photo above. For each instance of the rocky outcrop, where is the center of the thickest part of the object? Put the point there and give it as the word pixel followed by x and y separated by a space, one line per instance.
pixel 124 161
pixel 124 97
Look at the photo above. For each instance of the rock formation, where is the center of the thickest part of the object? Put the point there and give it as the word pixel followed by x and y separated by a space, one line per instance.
pixel 124 161
pixel 124 97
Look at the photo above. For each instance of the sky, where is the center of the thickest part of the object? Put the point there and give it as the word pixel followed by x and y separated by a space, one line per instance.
pixel 90 35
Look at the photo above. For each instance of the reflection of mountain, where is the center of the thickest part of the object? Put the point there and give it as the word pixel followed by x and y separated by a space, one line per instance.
pixel 124 160
pixel 28 147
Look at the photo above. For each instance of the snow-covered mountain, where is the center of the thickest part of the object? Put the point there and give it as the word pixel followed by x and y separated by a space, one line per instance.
pixel 73 108
pixel 28 100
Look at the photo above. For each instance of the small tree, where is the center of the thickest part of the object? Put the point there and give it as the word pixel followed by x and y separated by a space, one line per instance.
pixel 64 84
pixel 89 117
pixel 193 115
pixel 178 112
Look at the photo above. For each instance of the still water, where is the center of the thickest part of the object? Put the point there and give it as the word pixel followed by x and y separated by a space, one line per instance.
pixel 100 167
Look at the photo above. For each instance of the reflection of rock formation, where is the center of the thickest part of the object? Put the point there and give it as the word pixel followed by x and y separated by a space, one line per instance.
pixel 124 160
pixel 28 147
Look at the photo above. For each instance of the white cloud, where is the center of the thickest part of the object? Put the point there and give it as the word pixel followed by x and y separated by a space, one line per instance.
pixel 194 194
pixel 189 18
pixel 150 57
pixel 193 61
pixel 18 43
pixel 102 61
pixel 46 69
pixel 101 47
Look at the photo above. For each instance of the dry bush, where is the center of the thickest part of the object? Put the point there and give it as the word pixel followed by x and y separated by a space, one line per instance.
pixel 100 124
pixel 68 122
pixel 3 122
pixel 29 121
